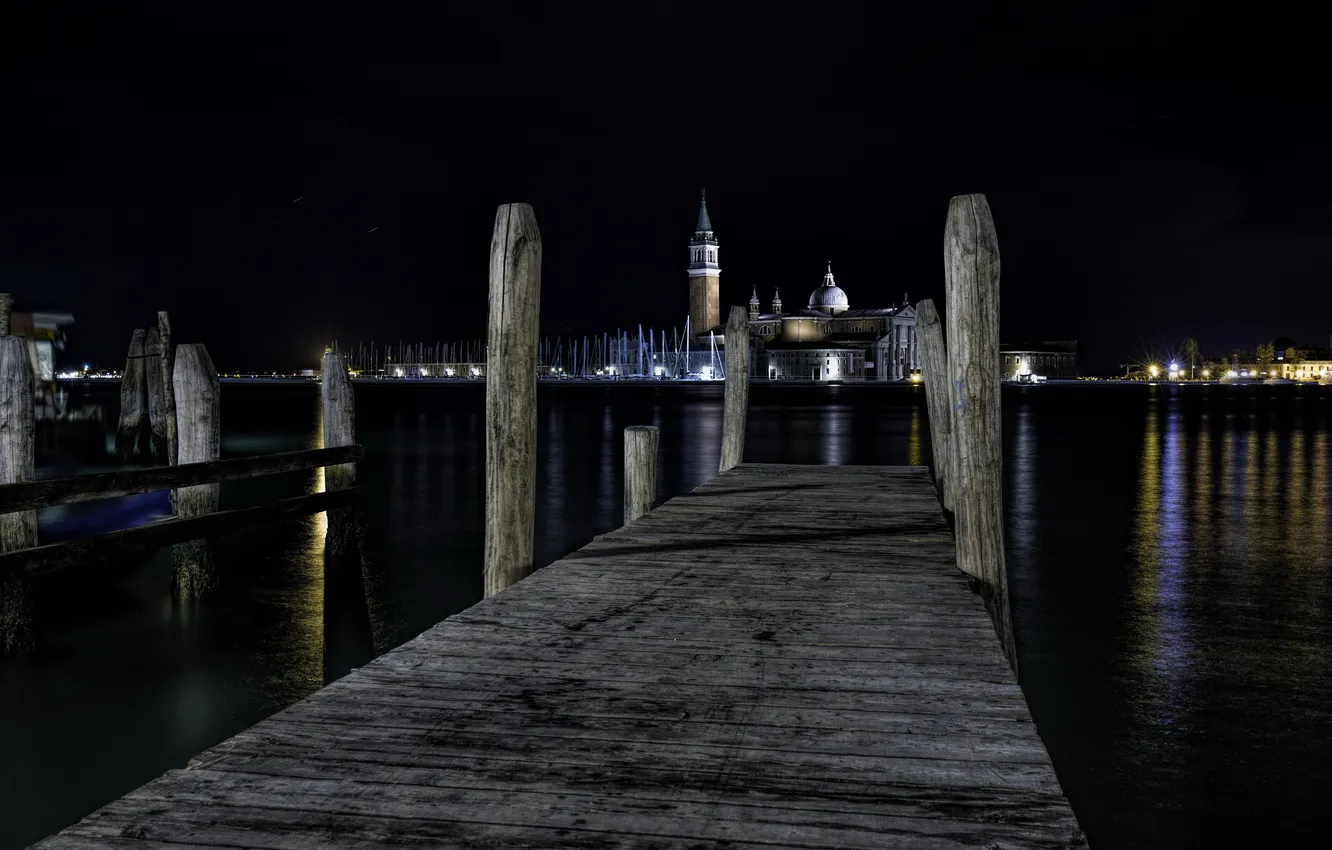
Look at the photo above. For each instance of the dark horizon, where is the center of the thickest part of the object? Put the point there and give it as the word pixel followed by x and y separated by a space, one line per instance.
pixel 1147 184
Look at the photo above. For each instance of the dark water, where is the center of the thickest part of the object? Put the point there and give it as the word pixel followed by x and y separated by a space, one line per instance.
pixel 1168 553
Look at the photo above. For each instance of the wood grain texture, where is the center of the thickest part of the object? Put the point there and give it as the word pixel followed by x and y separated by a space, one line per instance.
pixel 640 470
pixel 736 405
pixel 971 272
pixel 934 369
pixel 729 670
pixel 511 381
pixel 339 414
pixel 133 399
pixel 157 405
pixel 18 530
pixel 167 363
pixel 199 440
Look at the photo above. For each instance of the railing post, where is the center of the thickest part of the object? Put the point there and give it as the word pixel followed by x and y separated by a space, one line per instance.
pixel 157 406
pixel 167 365
pixel 971 270
pixel 934 369
pixel 737 389
pixel 339 430
pixel 199 434
pixel 133 398
pixel 511 386
pixel 640 470
pixel 18 530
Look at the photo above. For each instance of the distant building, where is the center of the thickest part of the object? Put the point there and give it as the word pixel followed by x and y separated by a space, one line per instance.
pixel 45 337
pixel 1305 370
pixel 1053 359
pixel 825 340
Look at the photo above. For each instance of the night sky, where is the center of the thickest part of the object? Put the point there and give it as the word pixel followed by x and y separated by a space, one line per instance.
pixel 1155 172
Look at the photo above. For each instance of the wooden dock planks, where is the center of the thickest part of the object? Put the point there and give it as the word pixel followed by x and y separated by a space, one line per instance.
pixel 785 657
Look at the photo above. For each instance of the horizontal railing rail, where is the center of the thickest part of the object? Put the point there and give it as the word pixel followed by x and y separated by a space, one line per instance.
pixel 107 485
pixel 44 559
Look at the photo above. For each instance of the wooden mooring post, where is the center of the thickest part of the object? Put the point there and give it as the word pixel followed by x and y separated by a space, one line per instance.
pixel 934 368
pixel 157 389
pixel 133 397
pixel 6 307
pixel 199 434
pixel 640 470
pixel 18 530
pixel 963 371
pixel 737 389
pixel 167 364
pixel 339 407
pixel 511 386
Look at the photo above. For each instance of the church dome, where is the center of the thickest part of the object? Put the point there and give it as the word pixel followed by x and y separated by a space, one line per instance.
pixel 829 295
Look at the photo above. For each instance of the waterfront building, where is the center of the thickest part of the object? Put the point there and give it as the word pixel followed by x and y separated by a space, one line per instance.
pixel 1303 370
pixel 825 340
pixel 1052 359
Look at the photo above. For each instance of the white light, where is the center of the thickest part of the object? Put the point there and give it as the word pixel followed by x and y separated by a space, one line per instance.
pixel 397 373
pixel 423 372
pixel 658 371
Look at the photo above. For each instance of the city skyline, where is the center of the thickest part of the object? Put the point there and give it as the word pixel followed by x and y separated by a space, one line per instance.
pixel 275 192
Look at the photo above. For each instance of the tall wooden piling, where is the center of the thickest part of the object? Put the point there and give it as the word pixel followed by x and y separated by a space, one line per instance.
pixel 511 384
pixel 934 368
pixel 157 406
pixel 199 438
pixel 6 307
pixel 133 397
pixel 640 470
pixel 971 271
pixel 18 530
pixel 737 389
pixel 167 364
pixel 339 430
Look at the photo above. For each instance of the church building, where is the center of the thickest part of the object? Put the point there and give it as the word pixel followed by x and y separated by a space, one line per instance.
pixel 825 340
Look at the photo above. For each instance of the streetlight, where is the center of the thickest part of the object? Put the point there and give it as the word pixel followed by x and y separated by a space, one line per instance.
pixel 1207 373
pixel 1152 370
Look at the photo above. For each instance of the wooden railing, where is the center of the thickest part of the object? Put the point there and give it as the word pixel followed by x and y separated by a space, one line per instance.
pixel 193 530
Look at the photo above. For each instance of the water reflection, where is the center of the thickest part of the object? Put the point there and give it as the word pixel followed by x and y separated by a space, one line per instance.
pixel 835 434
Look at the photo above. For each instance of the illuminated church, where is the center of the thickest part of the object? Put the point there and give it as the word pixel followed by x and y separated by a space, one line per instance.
pixel 826 340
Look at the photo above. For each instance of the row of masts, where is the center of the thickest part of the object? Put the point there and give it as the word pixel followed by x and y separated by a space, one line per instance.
pixel 624 354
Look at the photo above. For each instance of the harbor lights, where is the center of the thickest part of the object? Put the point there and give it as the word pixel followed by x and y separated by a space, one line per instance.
pixel 1174 371
pixel 1152 370
pixel 1207 373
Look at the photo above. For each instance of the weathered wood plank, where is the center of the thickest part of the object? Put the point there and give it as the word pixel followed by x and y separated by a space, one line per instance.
pixel 735 409
pixel 730 671
pixel 110 485
pixel 168 532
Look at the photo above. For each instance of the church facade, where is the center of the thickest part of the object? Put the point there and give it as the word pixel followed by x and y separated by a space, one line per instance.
pixel 823 340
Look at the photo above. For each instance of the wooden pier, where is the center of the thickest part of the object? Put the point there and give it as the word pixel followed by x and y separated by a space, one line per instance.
pixel 787 656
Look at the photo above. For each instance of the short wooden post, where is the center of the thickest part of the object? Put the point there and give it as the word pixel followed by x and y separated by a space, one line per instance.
pixel 934 369
pixel 640 470
pixel 199 433
pixel 971 271
pixel 167 363
pixel 157 406
pixel 737 389
pixel 133 398
pixel 6 307
pixel 511 384
pixel 339 430
pixel 18 530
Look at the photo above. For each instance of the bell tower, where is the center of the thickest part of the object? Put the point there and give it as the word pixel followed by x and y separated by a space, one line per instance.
pixel 704 274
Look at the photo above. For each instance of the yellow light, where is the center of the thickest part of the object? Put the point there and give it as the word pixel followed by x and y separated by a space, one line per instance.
pixel 915 378
pixel 1207 373
pixel 1152 370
